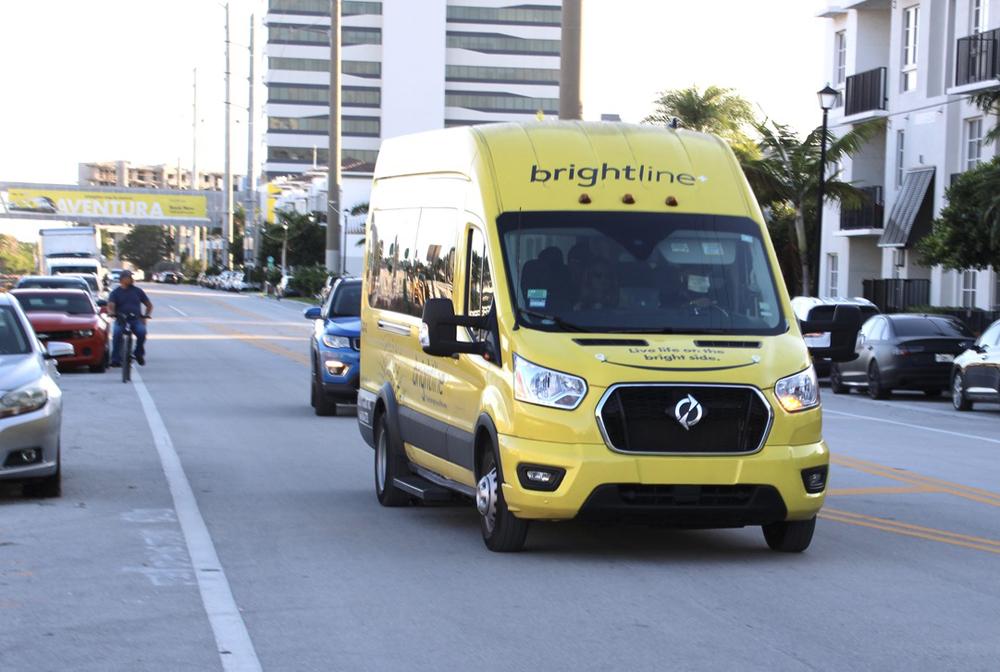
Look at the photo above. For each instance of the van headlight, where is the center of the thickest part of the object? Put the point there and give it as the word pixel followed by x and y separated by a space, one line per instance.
pixel 798 392
pixel 331 341
pixel 538 385
pixel 24 399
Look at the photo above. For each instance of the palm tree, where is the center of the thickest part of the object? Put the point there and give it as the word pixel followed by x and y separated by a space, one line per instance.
pixel 716 110
pixel 787 173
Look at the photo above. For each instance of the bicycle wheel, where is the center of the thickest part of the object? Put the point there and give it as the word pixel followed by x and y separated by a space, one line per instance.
pixel 127 357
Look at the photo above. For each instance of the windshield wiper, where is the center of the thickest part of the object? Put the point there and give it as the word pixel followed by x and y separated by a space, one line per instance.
pixel 567 326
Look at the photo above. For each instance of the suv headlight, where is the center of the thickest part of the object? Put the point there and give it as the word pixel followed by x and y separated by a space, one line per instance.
pixel 24 399
pixel 798 392
pixel 538 385
pixel 331 341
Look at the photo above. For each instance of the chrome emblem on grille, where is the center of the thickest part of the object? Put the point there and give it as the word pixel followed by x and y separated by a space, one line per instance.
pixel 688 412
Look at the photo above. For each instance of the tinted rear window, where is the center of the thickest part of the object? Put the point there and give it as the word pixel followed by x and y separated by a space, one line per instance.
pixel 929 326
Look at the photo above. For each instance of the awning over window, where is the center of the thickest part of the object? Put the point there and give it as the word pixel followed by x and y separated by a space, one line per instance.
pixel 912 206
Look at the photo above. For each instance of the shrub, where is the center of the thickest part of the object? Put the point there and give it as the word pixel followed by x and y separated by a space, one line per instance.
pixel 309 280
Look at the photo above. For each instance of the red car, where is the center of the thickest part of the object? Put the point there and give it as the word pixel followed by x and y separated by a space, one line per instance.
pixel 69 316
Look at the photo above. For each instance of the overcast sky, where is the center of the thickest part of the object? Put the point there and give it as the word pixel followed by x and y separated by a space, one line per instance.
pixel 112 79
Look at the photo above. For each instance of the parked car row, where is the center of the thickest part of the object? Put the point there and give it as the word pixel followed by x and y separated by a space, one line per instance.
pixel 168 277
pixel 230 281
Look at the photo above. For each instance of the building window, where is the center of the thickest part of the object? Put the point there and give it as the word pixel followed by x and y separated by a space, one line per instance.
pixel 351 96
pixel 479 73
pixel 322 7
pixel 833 273
pixel 501 44
pixel 352 126
pixel 500 102
pixel 969 288
pixel 287 34
pixel 979 15
pixel 506 15
pixel 840 58
pixel 900 146
pixel 973 142
pixel 369 69
pixel 911 16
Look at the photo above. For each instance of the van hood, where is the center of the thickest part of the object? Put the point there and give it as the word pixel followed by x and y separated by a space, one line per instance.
pixel 606 359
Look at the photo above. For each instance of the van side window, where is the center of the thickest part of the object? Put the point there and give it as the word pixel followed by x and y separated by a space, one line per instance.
pixel 411 258
pixel 479 293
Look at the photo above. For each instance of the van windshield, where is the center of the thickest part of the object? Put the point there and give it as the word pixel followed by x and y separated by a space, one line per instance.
pixel 640 273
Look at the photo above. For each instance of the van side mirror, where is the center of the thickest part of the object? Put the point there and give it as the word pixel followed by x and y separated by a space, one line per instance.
pixel 843 329
pixel 438 333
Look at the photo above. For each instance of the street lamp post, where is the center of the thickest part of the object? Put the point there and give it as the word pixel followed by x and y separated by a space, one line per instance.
pixel 827 99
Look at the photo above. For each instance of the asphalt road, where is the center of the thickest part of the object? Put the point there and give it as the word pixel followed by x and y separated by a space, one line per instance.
pixel 210 521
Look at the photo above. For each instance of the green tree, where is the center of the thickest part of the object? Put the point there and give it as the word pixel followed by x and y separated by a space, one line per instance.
pixel 146 245
pixel 716 110
pixel 239 226
pixel 306 239
pixel 967 232
pixel 787 173
pixel 16 257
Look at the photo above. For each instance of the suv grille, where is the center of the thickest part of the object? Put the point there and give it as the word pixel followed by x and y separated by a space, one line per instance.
pixel 642 419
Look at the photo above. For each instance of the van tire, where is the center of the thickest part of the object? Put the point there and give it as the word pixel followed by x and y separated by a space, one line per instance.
pixel 789 536
pixel 503 532
pixel 388 465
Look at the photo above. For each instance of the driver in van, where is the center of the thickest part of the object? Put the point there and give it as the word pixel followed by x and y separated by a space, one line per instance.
pixel 599 287
pixel 675 289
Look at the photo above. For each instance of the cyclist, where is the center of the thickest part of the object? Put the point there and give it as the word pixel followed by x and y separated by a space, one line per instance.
pixel 127 300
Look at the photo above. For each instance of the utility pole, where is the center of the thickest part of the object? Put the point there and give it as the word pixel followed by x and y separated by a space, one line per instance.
pixel 195 182
pixel 227 187
pixel 249 218
pixel 333 159
pixel 570 105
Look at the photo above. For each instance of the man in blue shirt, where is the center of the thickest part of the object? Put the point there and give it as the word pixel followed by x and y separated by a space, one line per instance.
pixel 127 301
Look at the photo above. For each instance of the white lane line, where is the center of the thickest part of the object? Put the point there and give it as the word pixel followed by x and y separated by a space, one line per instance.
pixel 910 424
pixel 183 314
pixel 235 648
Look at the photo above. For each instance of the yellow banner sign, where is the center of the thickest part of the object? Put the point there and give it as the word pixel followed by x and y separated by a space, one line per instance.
pixel 111 205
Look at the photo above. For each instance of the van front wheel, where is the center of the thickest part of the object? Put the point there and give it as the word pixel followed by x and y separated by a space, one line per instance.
pixel 790 536
pixel 503 532
pixel 387 467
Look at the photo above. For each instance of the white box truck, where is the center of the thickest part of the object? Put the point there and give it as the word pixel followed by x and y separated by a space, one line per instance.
pixel 75 249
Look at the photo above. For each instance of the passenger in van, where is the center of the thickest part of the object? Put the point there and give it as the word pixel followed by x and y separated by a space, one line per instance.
pixel 545 281
pixel 577 259
pixel 599 288
pixel 675 289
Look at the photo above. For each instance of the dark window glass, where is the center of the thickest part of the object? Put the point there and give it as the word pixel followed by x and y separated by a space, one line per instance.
pixel 476 73
pixel 640 273
pixel 500 102
pixel 929 326
pixel 359 126
pixel 322 7
pixel 13 339
pixel 357 68
pixel 76 304
pixel 347 301
pixel 501 44
pixel 508 15
pixel 356 96
pixel 289 34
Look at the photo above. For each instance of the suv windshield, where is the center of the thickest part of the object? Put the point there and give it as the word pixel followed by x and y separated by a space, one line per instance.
pixel 640 272
pixel 346 300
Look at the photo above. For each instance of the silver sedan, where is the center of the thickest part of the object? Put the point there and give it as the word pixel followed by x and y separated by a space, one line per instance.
pixel 30 405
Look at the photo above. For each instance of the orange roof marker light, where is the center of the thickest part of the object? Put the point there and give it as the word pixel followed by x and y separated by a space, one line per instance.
pixel 584 198
pixel 671 201
pixel 628 198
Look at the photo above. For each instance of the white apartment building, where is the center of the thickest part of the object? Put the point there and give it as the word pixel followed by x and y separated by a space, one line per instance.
pixel 407 66
pixel 913 62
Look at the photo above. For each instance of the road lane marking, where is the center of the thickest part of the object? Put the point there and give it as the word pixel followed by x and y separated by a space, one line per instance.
pixel 238 310
pixel 978 543
pixel 265 345
pixel 220 337
pixel 883 491
pixel 912 426
pixel 974 494
pixel 231 637
pixel 179 310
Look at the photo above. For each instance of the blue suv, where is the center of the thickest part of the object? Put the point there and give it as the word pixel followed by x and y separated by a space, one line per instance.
pixel 335 347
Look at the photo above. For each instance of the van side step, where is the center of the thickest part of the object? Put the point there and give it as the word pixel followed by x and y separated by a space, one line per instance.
pixel 423 489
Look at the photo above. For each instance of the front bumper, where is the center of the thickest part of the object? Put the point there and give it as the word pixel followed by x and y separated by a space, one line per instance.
pixel 345 385
pixel 86 351
pixel 38 430
pixel 599 483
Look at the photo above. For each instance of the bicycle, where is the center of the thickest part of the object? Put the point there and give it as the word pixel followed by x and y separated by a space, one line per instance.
pixel 125 357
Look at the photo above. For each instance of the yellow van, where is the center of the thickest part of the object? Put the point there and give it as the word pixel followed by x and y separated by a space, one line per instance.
pixel 576 320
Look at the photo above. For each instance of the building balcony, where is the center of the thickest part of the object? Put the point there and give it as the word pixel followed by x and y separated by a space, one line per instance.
pixel 976 58
pixel 865 92
pixel 869 217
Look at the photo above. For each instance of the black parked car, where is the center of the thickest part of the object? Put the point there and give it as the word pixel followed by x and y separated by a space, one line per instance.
pixel 903 351
pixel 976 374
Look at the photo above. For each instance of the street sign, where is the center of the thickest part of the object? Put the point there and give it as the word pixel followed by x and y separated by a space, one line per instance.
pixel 270 261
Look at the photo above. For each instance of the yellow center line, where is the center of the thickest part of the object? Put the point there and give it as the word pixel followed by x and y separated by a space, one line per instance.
pixel 263 344
pixel 238 310
pixel 974 494
pixel 883 491
pixel 977 543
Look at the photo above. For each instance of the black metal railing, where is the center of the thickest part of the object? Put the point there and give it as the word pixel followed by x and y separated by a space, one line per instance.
pixel 976 58
pixel 866 91
pixel 895 295
pixel 871 214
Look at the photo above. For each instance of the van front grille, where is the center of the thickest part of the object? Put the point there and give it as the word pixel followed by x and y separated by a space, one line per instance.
pixel 679 418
